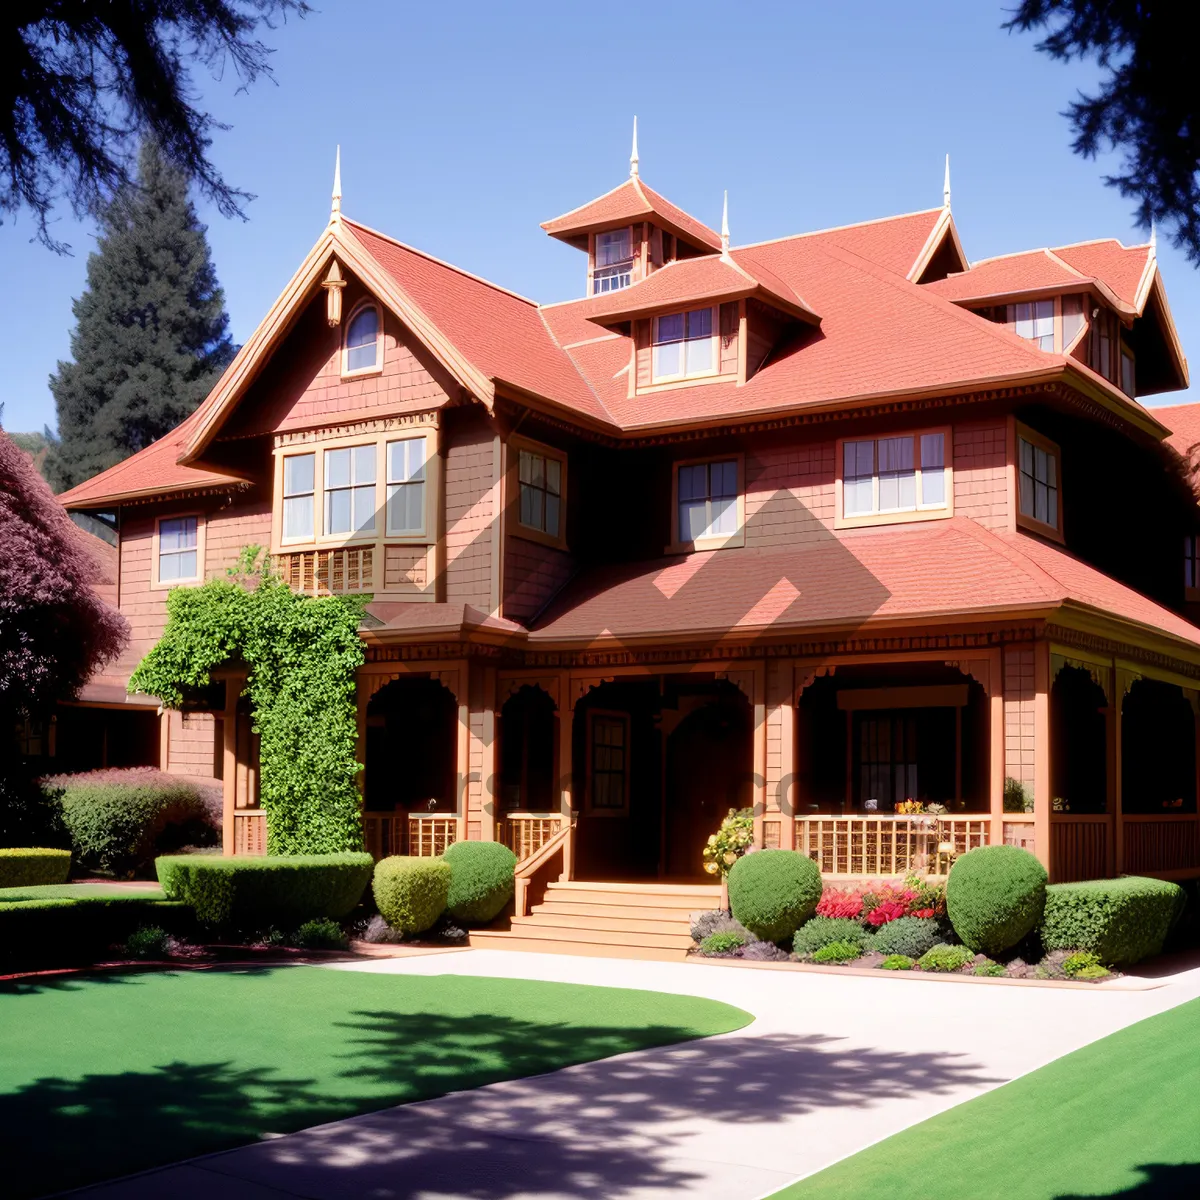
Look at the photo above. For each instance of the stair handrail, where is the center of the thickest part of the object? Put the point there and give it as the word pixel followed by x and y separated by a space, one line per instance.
pixel 563 841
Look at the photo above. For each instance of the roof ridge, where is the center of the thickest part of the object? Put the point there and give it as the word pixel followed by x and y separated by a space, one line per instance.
pixel 1011 551
pixel 1067 267
pixel 792 237
pixel 575 367
pixel 441 262
pixel 589 203
pixel 690 217
pixel 1100 241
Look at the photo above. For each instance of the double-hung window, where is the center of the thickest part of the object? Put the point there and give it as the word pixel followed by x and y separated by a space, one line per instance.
pixel 613 268
pixel 708 500
pixel 1037 481
pixel 178 549
pixel 406 486
pixel 609 754
pixel 299 483
pixel 540 480
pixel 902 474
pixel 684 345
pixel 362 340
pixel 350 490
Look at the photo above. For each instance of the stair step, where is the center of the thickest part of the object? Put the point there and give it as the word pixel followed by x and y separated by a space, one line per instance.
pixel 509 941
pixel 707 890
pixel 633 899
pixel 636 912
pixel 527 927
pixel 540 919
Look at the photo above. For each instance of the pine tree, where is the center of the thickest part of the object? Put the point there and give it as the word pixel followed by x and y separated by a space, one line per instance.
pixel 151 334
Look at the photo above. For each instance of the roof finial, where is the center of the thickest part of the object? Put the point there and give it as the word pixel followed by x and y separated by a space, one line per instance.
pixel 946 185
pixel 1153 239
pixel 725 224
pixel 335 206
pixel 633 158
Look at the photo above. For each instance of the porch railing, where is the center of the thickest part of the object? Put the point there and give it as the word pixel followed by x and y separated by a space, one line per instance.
pixel 525 833
pixel 424 835
pixel 1080 846
pixel 249 831
pixel 1160 843
pixel 887 845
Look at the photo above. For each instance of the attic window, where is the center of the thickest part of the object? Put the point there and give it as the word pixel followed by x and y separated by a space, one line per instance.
pixel 613 268
pixel 1034 321
pixel 362 340
pixel 684 345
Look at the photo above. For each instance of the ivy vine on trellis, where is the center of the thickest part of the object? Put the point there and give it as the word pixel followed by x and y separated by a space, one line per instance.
pixel 301 654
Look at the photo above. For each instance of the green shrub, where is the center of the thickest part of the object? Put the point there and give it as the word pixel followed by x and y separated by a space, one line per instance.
pixel 896 962
pixel 733 838
pixel 1093 972
pixel 989 969
pixel 33 867
pixel 838 952
pixel 148 941
pixel 994 896
pixel 1017 797
pixel 773 892
pixel 909 936
pixel 320 934
pixel 722 943
pixel 945 958
pixel 481 880
pixel 245 892
pixel 411 893
pixel 1119 920
pixel 820 931
pixel 118 820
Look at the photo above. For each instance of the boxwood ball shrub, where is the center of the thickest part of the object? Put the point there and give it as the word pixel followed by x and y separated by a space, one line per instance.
pixel 411 893
pixel 908 936
pixel 33 867
pixel 1118 920
pixel 773 892
pixel 481 880
pixel 995 895
pixel 818 932
pixel 256 892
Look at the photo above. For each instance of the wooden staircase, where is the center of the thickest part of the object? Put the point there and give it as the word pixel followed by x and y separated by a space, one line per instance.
pixel 609 920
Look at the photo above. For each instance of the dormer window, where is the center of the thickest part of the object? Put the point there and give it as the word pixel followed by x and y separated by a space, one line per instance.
pixel 684 345
pixel 613 268
pixel 1034 322
pixel 362 341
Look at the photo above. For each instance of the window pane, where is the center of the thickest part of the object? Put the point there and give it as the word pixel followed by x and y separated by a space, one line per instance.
pixel 724 478
pixel 177 533
pixel 1043 324
pixel 298 474
pixel 337 511
pixel 362 340
pixel 669 329
pixel 668 360
pixel 406 460
pixel 693 482
pixel 859 459
pixel 187 564
pixel 364 464
pixel 693 520
pixel 895 454
pixel 1072 318
pixel 1026 450
pixel 858 496
pixel 1041 469
pixel 699 323
pixel 404 508
pixel 1039 504
pixel 554 476
pixel 537 470
pixel 364 509
pixel 933 450
pixel 1026 486
pixel 613 247
pixel 724 516
pixel 933 486
pixel 552 514
pixel 298 517
pixel 525 466
pixel 699 356
pixel 168 567
pixel 337 468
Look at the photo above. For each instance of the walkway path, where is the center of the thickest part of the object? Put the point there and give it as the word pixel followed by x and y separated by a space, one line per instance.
pixel 831 1064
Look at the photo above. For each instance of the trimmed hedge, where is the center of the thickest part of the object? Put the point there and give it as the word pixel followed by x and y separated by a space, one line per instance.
pixel 1118 920
pixel 481 880
pixel 995 895
pixel 256 892
pixel 773 892
pixel 819 932
pixel 907 936
pixel 33 867
pixel 411 893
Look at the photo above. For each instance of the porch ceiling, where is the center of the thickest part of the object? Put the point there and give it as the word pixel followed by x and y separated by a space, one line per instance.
pixel 934 571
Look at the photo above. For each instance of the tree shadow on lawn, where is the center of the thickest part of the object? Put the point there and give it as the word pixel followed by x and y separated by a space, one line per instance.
pixel 604 1129
pixel 1167 1181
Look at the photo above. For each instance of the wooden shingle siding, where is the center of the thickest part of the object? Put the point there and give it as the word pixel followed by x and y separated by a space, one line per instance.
pixel 532 575
pixel 789 494
pixel 1019 726
pixel 191 744
pixel 729 339
pixel 981 473
pixel 470 514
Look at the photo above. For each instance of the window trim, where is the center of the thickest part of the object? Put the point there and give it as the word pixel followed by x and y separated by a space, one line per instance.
pixel 376 368
pixel 162 585
pixel 1020 519
pixel 316 495
pixel 714 345
pixel 512 488
pixel 634 255
pixel 938 512
pixel 718 541
pixel 623 717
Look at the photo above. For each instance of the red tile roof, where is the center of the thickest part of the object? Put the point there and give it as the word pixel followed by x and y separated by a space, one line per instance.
pixel 1121 267
pixel 632 200
pixel 433 619
pixel 950 569
pixel 692 281
pixel 1183 420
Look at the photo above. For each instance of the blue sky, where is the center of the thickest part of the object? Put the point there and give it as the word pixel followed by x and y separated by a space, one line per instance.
pixel 463 125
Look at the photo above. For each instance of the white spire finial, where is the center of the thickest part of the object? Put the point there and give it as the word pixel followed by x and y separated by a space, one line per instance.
pixel 335 206
pixel 725 224
pixel 633 158
pixel 1153 239
pixel 946 185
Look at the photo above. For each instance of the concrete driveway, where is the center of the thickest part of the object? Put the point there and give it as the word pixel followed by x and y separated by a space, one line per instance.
pixel 831 1064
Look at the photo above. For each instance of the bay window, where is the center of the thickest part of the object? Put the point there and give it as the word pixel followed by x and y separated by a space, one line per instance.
pixel 350 490
pixel 406 486
pixel 906 473
pixel 684 345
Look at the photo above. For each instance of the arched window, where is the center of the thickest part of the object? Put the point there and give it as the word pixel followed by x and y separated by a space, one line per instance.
pixel 362 339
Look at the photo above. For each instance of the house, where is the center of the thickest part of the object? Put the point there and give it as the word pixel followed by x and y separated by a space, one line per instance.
pixel 817 525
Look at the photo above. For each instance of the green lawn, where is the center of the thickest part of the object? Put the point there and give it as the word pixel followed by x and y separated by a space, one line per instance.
pixel 79 891
pixel 107 1075
pixel 1120 1117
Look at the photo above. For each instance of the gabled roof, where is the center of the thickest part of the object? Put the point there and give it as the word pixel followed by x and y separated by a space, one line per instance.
pixel 688 282
pixel 631 201
pixel 854 581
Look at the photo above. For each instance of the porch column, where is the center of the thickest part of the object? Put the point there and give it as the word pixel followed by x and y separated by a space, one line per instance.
pixel 1041 752
pixel 996 752
pixel 1112 769
pixel 229 765
pixel 463 752
pixel 760 750
pixel 566 800
pixel 362 699
pixel 781 750
pixel 489 727
pixel 1121 684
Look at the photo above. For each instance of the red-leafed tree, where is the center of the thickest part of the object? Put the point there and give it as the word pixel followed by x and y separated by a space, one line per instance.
pixel 54 629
